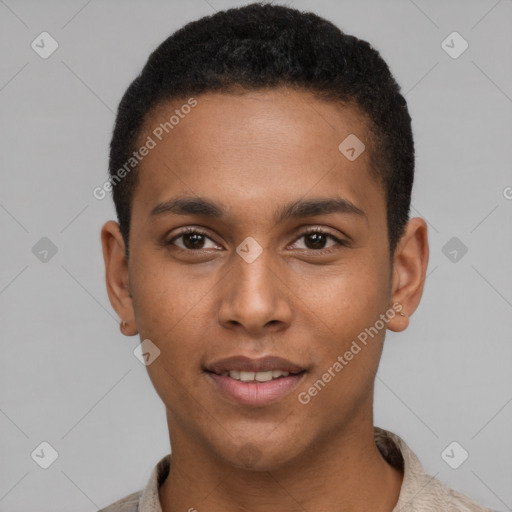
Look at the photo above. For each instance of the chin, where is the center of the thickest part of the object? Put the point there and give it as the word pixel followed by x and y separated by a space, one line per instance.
pixel 260 455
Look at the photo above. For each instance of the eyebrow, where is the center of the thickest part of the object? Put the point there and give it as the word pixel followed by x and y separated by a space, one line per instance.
pixel 295 209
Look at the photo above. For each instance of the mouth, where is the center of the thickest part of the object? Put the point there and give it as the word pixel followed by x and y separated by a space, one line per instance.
pixel 254 381
pixel 262 376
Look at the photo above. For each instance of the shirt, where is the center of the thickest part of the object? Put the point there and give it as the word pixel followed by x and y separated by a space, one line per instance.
pixel 419 492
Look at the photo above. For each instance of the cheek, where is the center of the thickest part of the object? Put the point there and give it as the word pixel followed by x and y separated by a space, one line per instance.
pixel 167 309
pixel 352 295
pixel 164 294
pixel 349 354
pixel 355 298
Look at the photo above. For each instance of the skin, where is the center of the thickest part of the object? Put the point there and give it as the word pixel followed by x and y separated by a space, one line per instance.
pixel 252 153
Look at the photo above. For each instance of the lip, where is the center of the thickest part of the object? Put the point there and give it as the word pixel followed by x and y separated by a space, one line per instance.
pixel 254 393
pixel 247 364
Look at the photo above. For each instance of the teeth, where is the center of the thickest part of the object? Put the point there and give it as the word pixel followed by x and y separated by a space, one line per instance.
pixel 263 376
pixel 247 376
pixel 256 376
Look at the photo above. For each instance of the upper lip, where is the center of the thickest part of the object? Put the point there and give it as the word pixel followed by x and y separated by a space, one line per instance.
pixel 247 364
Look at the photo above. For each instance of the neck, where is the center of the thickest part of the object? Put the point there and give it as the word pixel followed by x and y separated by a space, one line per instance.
pixel 347 473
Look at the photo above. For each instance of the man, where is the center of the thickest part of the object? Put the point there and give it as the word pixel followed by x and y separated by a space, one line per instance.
pixel 261 167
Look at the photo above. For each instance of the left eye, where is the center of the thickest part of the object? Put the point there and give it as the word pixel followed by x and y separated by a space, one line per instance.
pixel 315 240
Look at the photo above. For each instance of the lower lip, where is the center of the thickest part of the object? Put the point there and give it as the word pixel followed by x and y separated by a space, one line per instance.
pixel 256 393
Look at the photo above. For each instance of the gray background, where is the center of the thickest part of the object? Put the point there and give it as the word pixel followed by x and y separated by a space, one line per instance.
pixel 70 378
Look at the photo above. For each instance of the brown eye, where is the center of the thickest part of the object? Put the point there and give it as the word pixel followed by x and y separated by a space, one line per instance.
pixel 193 240
pixel 316 240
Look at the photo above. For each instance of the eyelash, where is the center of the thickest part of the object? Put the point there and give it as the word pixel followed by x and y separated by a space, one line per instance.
pixel 308 231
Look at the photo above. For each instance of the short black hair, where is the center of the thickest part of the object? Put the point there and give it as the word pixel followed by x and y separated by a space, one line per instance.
pixel 262 46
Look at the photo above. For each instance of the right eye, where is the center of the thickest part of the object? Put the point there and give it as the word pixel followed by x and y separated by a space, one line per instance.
pixel 192 239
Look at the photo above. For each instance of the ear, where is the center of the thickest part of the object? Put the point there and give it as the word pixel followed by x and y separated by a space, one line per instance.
pixel 116 276
pixel 410 263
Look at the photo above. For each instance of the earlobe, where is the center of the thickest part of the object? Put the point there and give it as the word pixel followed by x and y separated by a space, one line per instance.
pixel 400 320
pixel 127 329
pixel 117 277
pixel 409 269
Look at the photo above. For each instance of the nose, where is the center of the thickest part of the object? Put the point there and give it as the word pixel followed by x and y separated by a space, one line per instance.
pixel 255 296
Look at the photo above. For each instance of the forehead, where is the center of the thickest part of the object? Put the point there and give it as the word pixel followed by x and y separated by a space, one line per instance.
pixel 278 142
pixel 293 115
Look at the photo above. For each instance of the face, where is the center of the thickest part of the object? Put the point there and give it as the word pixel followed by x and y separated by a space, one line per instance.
pixel 257 249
